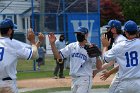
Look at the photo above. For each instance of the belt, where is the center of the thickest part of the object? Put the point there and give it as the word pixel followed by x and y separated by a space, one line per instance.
pixel 7 78
pixel 76 76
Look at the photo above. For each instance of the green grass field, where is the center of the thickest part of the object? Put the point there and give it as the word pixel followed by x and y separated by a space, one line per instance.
pixel 26 69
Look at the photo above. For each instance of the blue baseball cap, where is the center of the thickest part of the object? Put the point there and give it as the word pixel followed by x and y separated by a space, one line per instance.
pixel 109 24
pixel 130 26
pixel 116 24
pixel 6 23
pixel 81 29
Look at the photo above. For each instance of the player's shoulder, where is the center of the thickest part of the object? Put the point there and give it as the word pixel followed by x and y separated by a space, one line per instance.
pixel 73 43
pixel 19 43
pixel 121 38
pixel 119 45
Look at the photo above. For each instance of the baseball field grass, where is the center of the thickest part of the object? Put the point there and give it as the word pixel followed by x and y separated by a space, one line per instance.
pixel 26 69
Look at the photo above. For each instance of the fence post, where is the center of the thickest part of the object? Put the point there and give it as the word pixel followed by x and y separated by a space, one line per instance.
pixel 34 65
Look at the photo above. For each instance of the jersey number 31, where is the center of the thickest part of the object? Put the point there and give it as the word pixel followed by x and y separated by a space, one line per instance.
pixel 1 53
pixel 131 58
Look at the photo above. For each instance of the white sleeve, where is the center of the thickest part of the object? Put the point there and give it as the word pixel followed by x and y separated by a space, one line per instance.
pixel 111 54
pixel 23 50
pixel 65 52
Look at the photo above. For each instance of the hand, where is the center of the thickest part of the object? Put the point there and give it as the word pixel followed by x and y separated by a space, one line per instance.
pixel 105 75
pixel 31 36
pixel 105 41
pixel 52 38
pixel 41 37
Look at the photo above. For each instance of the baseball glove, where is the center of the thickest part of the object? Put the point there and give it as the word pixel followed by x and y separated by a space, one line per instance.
pixel 93 50
pixel 60 61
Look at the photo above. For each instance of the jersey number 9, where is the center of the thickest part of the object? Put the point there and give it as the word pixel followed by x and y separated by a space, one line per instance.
pixel 1 53
pixel 131 58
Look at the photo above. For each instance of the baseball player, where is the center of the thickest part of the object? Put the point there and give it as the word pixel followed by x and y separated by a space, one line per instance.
pixel 80 62
pixel 126 54
pixel 10 51
pixel 114 32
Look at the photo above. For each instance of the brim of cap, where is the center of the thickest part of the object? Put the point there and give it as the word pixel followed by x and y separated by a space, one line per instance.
pixel 107 26
pixel 15 27
pixel 79 32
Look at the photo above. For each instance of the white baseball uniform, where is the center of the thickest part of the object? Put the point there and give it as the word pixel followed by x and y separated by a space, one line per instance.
pixel 10 51
pixel 80 67
pixel 115 80
pixel 127 55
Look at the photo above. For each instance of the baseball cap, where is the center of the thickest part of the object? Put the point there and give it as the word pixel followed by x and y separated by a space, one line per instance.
pixel 116 24
pixel 109 24
pixel 130 26
pixel 81 29
pixel 6 23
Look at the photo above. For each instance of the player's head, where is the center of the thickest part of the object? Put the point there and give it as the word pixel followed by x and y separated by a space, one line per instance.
pixel 116 25
pixel 109 24
pixel 114 28
pixel 81 33
pixel 130 27
pixel 7 28
pixel 62 38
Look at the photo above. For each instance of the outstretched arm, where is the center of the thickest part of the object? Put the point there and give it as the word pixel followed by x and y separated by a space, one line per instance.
pixel 98 63
pixel 31 38
pixel 52 40
pixel 40 39
pixel 105 43
pixel 105 75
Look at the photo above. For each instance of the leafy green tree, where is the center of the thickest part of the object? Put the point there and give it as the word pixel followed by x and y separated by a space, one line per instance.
pixel 131 9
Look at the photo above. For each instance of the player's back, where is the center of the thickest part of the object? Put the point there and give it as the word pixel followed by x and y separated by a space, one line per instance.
pixel 128 57
pixel 10 50
pixel 7 55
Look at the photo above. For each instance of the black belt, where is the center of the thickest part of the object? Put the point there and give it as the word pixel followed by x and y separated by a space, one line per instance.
pixel 76 76
pixel 7 78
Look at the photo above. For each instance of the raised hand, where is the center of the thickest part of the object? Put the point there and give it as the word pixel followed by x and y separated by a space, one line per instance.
pixel 105 41
pixel 31 36
pixel 51 37
pixel 41 37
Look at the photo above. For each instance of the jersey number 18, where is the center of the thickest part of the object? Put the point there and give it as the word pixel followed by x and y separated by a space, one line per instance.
pixel 131 58
pixel 1 53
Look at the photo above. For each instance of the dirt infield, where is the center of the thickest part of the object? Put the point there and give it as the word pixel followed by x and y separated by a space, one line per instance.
pixel 51 83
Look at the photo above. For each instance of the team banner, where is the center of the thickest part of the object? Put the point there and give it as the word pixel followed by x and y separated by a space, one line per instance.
pixel 91 21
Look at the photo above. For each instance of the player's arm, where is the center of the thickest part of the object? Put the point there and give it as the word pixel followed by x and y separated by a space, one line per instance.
pixel 40 39
pixel 98 63
pixel 106 65
pixel 31 38
pixel 106 74
pixel 105 43
pixel 52 40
